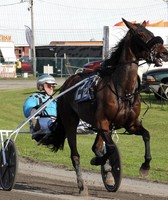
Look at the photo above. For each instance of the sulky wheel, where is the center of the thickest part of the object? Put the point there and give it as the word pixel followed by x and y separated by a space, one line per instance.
pixel 162 92
pixel 9 170
pixel 116 170
pixel 165 90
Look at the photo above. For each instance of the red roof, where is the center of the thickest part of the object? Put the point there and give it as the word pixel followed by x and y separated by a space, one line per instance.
pixel 156 24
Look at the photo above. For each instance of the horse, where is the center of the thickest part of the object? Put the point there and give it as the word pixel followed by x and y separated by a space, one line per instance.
pixel 116 103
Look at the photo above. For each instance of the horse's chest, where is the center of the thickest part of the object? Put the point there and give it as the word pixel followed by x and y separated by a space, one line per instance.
pixel 120 113
pixel 121 109
pixel 125 110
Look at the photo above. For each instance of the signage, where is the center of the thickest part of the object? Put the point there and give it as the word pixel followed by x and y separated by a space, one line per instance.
pixel 7 71
pixel 29 35
pixel 5 38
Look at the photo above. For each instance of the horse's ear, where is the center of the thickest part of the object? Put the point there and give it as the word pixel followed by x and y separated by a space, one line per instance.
pixel 144 23
pixel 129 24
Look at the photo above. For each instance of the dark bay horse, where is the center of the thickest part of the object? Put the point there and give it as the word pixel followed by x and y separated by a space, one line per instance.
pixel 116 102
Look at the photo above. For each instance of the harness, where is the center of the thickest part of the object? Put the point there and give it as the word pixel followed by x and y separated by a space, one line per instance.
pixel 130 98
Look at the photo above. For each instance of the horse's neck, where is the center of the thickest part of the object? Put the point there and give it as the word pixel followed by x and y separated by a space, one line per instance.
pixel 125 74
pixel 125 78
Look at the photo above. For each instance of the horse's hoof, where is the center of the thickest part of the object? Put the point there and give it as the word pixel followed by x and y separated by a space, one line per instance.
pixel 143 171
pixel 96 161
pixel 84 192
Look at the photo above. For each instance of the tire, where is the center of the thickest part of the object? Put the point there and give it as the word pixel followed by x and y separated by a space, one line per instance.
pixel 8 172
pixel 116 170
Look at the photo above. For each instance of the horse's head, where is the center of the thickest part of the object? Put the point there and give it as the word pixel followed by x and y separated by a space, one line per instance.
pixel 146 45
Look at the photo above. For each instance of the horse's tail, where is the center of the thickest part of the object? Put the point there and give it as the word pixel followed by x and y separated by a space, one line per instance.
pixel 56 139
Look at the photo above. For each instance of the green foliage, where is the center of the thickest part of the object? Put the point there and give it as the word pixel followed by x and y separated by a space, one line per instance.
pixel 131 147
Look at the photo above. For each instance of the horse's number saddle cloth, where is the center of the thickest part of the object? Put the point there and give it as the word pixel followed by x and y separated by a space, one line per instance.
pixel 84 92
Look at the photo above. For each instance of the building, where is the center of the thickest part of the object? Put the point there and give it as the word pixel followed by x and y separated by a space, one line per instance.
pixel 75 53
pixel 7 57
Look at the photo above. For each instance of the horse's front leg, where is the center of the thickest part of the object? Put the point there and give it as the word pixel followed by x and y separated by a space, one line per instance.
pixel 101 159
pixel 83 190
pixel 98 146
pixel 145 167
pixel 140 130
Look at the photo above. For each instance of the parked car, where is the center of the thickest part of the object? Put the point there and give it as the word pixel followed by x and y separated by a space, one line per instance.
pixel 156 81
pixel 27 66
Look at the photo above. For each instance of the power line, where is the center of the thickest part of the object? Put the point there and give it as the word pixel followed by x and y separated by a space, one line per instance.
pixel 98 9
pixel 10 4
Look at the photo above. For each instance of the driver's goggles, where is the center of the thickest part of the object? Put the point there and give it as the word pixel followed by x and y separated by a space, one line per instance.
pixel 51 85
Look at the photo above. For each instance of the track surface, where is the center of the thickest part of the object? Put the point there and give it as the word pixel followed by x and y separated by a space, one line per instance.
pixel 23 83
pixel 44 181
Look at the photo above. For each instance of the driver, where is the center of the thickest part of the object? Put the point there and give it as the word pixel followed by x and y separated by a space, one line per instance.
pixel 42 123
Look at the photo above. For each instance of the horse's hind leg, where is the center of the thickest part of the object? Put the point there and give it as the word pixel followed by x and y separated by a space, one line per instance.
pixel 71 136
pixel 76 164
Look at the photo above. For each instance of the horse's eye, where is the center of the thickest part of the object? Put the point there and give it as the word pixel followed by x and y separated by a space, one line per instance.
pixel 142 36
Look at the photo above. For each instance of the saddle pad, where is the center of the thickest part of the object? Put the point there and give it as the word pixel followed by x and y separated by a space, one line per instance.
pixel 83 93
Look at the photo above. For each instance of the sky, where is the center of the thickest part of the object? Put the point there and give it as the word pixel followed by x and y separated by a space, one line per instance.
pixel 74 20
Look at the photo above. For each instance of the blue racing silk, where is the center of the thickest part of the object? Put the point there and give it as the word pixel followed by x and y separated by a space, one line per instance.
pixel 35 100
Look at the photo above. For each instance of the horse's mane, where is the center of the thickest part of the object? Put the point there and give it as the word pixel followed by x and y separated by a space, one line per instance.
pixel 110 64
pixel 115 53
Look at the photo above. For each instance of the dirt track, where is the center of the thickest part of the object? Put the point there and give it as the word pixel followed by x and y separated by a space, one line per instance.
pixel 42 181
pixel 23 83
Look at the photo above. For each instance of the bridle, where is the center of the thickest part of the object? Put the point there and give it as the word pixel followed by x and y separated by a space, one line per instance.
pixel 149 46
pixel 152 45
pixel 155 41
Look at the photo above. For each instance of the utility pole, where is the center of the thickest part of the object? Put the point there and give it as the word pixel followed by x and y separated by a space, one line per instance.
pixel 33 50
pixel 105 41
pixel 32 40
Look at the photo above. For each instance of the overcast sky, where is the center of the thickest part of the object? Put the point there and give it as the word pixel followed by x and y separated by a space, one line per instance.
pixel 62 20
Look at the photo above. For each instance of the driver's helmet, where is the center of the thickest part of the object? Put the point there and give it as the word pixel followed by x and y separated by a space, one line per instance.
pixel 45 79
